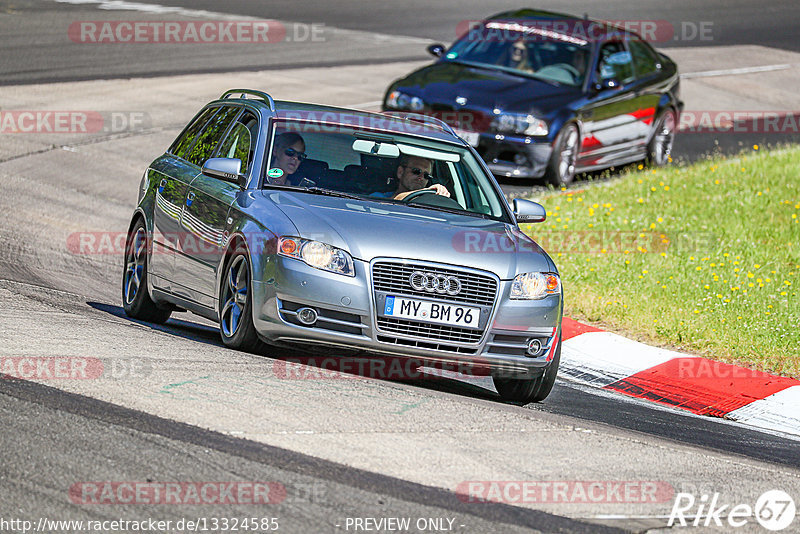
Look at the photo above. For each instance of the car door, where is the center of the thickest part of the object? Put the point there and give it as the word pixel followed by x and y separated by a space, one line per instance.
pixel 173 178
pixel 207 209
pixel 611 124
pixel 648 86
pixel 203 147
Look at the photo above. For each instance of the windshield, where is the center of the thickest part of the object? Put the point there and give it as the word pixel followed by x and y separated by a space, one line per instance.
pixel 529 50
pixel 382 167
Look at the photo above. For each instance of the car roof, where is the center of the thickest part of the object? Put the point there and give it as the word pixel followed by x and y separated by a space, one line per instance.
pixel 588 29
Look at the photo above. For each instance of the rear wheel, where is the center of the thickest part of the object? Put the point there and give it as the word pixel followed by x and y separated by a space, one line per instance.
pixel 136 300
pixel 660 146
pixel 525 390
pixel 236 305
pixel 561 167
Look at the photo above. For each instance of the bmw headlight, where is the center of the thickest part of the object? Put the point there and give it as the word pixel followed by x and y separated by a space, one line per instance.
pixel 317 254
pixel 520 124
pixel 401 100
pixel 528 286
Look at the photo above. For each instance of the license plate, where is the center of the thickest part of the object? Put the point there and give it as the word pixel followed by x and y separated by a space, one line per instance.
pixel 432 312
pixel 470 137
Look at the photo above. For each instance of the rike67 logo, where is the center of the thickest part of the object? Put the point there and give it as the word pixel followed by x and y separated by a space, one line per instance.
pixel 774 510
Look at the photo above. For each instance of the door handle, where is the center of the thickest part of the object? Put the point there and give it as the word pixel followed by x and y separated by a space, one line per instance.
pixel 190 198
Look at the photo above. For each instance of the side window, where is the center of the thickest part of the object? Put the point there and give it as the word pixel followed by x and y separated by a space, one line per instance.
pixel 240 141
pixel 644 58
pixel 182 143
pixel 207 140
pixel 615 63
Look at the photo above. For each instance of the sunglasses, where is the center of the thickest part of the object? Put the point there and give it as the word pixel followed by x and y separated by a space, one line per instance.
pixel 292 153
pixel 416 172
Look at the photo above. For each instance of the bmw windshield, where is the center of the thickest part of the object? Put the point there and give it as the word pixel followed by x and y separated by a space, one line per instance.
pixel 322 158
pixel 530 50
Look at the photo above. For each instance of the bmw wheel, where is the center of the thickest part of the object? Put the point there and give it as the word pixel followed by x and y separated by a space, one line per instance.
pixel 561 167
pixel 660 146
pixel 136 300
pixel 235 298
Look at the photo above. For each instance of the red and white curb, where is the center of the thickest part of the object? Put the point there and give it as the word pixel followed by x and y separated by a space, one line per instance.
pixel 611 362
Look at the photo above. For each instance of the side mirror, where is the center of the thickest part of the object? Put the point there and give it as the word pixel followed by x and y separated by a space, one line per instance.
pixel 436 50
pixel 527 211
pixel 227 169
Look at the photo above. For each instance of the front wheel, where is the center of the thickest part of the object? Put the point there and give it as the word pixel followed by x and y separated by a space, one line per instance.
pixel 236 305
pixel 526 390
pixel 561 167
pixel 136 300
pixel 660 146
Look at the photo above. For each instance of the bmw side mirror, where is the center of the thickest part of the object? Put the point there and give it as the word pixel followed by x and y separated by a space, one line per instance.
pixel 436 50
pixel 226 169
pixel 527 211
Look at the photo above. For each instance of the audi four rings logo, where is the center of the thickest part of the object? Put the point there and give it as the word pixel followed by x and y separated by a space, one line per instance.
pixel 435 283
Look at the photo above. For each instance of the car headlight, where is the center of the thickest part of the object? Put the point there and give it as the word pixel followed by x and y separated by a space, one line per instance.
pixel 317 254
pixel 401 100
pixel 535 285
pixel 520 124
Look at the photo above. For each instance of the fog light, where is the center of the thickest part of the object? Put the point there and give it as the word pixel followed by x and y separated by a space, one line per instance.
pixel 520 159
pixel 307 316
pixel 534 347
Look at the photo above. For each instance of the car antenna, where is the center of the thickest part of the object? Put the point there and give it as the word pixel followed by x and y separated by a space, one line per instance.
pixel 585 16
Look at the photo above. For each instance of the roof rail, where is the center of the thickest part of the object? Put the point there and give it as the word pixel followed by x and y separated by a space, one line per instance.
pixel 419 117
pixel 260 94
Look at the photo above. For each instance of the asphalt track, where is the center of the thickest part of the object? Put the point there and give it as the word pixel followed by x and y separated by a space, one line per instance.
pixel 347 448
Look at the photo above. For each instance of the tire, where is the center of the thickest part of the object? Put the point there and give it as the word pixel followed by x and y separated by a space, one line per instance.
pixel 527 390
pixel 561 167
pixel 660 146
pixel 236 304
pixel 136 300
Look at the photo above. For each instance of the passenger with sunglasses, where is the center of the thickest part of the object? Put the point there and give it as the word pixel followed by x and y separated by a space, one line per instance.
pixel 288 152
pixel 413 174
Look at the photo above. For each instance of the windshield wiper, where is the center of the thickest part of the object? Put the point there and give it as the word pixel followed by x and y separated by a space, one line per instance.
pixel 328 192
pixel 449 210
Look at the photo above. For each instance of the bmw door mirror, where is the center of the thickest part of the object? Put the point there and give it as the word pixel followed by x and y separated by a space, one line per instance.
pixel 436 50
pixel 527 211
pixel 226 169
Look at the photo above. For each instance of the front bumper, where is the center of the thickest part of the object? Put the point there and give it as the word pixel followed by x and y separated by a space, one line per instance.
pixel 347 319
pixel 515 157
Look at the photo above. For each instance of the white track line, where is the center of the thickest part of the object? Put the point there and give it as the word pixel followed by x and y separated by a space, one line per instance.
pixel 731 72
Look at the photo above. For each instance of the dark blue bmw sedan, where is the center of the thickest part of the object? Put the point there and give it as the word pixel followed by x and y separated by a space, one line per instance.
pixel 542 94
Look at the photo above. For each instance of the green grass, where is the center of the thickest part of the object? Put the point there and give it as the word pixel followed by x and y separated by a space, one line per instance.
pixel 705 257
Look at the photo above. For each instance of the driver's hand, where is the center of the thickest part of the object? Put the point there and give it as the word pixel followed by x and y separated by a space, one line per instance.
pixel 440 190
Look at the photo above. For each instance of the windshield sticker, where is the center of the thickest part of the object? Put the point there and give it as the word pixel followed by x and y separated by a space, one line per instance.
pixel 514 27
pixel 275 173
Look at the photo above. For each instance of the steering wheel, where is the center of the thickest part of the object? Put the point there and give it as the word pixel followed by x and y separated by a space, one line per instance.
pixel 552 71
pixel 417 194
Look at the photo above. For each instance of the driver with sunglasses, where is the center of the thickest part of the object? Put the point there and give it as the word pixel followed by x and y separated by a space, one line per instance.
pixel 287 153
pixel 413 174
